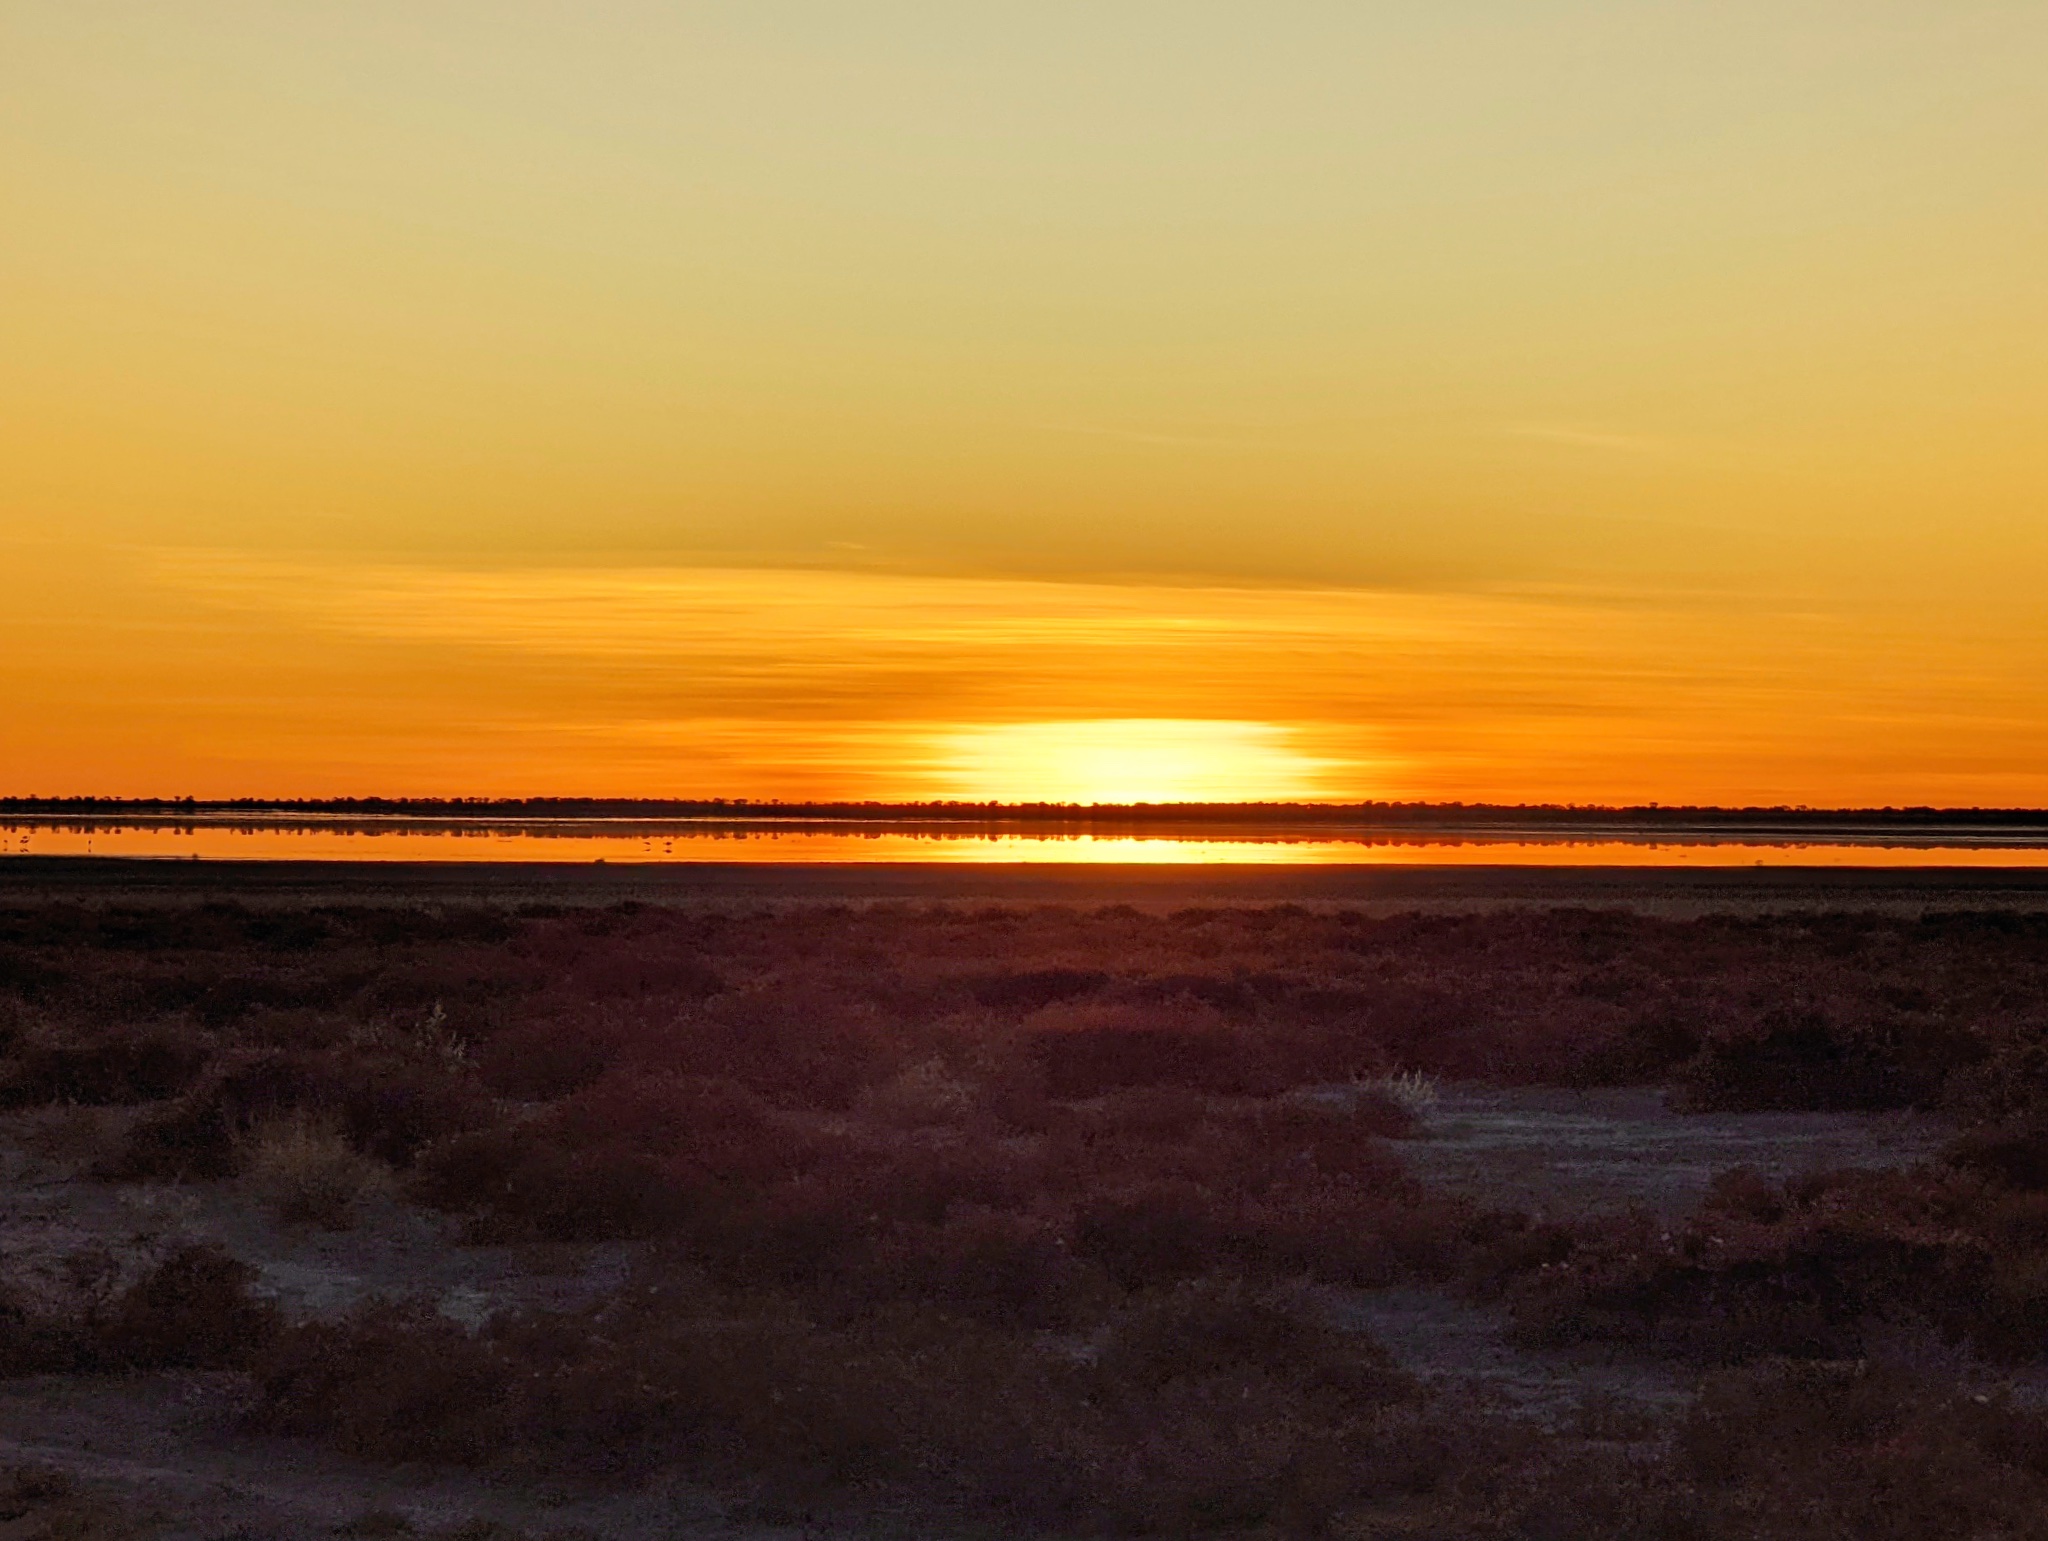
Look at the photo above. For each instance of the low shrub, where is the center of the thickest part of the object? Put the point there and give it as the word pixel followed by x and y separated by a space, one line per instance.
pixel 392 1382
pixel 388 1108
pixel 394 1111
pixel 2013 1153
pixel 1807 1268
pixel 200 1134
pixel 105 1068
pixel 547 1058
pixel 1153 1238
pixel 1222 1326
pixel 515 1185
pixel 1786 1061
pixel 1852 1449
pixel 1087 1050
pixel 305 1172
pixel 194 1310
pixel 1213 1407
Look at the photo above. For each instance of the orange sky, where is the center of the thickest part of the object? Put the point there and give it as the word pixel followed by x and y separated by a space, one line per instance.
pixel 1548 401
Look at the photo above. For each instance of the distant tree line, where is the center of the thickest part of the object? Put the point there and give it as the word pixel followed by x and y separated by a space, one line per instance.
pixel 1397 815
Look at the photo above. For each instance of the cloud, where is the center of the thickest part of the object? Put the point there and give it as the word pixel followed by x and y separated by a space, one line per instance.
pixel 760 681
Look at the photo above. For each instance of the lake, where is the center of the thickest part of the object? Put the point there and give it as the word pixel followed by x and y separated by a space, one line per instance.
pixel 303 837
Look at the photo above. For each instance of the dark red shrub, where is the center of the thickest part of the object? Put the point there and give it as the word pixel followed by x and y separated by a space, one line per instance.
pixel 34 1342
pixel 517 1185
pixel 632 966
pixel 392 1382
pixel 134 1064
pixel 1806 1271
pixel 194 1310
pixel 1088 1051
pixel 2014 1154
pixel 547 1058
pixel 1800 1060
pixel 1153 1238
pixel 1007 1270
pixel 395 1110
pixel 1221 1326
pixel 797 1047
pixel 1028 990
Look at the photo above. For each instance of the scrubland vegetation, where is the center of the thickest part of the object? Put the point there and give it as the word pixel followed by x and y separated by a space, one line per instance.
pixel 1032 1218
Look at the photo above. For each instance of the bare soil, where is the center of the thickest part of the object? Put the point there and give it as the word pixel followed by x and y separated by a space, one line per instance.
pixel 1581 1152
pixel 1562 1151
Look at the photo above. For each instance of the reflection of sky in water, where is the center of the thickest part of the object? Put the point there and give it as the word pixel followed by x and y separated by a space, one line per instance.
pixel 581 842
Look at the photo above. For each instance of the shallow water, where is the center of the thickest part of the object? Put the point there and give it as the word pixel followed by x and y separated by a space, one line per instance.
pixel 300 837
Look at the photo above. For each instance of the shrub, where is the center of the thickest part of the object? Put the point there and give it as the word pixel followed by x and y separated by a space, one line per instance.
pixel 1803 1269
pixel 1223 1326
pixel 137 1064
pixel 192 1311
pixel 1802 1060
pixel 797 1046
pixel 1087 1051
pixel 994 1268
pixel 199 1135
pixel 1851 1449
pixel 1211 1408
pixel 517 1185
pixel 1413 1092
pixel 394 1111
pixel 305 1172
pixel 1025 990
pixel 2013 1153
pixel 388 1107
pixel 1153 1238
pixel 547 1058
pixel 390 1382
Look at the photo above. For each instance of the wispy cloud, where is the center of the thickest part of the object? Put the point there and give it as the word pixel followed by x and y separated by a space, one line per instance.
pixel 863 683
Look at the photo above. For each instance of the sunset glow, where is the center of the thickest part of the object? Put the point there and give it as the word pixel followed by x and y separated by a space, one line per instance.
pixel 1133 760
pixel 1549 402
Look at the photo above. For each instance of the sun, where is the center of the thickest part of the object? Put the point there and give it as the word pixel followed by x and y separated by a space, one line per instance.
pixel 1128 760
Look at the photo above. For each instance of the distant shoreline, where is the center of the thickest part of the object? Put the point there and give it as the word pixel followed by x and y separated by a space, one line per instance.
pixel 1276 820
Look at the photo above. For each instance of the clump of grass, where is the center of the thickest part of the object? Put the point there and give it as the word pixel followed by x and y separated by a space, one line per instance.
pixel 1413 1090
pixel 306 1173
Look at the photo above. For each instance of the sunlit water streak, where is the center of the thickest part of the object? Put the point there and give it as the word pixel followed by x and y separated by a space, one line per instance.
pixel 571 841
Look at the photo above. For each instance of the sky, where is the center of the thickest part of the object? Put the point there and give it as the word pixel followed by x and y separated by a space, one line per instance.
pixel 1517 400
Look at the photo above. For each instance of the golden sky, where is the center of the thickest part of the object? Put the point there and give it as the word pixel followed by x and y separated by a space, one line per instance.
pixel 1507 399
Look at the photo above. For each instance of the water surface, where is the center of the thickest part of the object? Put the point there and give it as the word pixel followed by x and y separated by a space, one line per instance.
pixel 301 837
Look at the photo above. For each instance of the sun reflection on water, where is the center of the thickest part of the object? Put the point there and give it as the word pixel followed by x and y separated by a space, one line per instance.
pixel 570 841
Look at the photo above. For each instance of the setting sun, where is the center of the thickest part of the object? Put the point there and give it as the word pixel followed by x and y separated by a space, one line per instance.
pixel 1131 760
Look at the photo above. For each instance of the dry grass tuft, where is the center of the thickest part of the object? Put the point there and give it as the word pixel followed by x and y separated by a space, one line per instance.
pixel 1413 1090
pixel 306 1173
